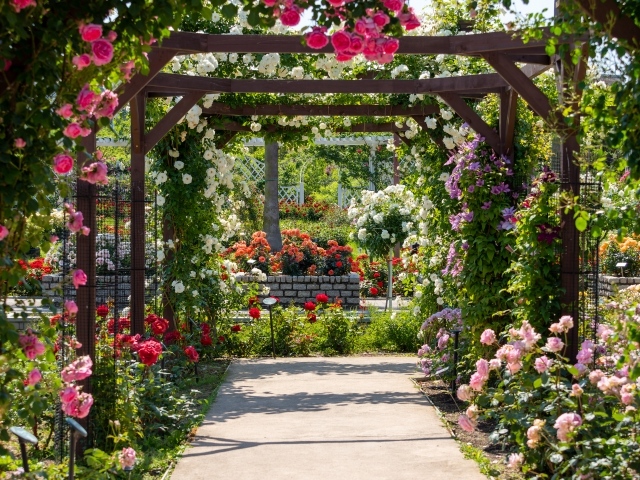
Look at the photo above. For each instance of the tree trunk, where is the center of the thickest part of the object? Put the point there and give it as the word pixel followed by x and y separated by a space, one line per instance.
pixel 271 211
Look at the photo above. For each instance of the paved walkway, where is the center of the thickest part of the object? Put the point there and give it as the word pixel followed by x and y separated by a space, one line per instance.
pixel 353 418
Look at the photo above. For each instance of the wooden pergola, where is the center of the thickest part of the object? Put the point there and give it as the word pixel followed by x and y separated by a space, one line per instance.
pixel 500 50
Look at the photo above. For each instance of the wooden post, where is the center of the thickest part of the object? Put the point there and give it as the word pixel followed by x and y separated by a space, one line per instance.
pixel 86 261
pixel 138 105
pixel 271 204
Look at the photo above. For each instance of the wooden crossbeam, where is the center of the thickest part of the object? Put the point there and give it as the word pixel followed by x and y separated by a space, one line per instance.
pixel 322 110
pixel 607 12
pixel 188 42
pixel 186 83
pixel 357 128
pixel 474 120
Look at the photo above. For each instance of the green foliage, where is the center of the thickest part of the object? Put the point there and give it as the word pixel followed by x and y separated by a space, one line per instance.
pixel 395 331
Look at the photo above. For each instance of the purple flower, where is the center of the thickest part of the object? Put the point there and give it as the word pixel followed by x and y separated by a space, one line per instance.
pixel 465 246
pixel 496 190
pixel 486 205
pixel 506 225
pixel 509 172
pixel 487 168
pixel 509 212
pixel 467 217
pixel 479 183
pixel 475 166
pixel 471 188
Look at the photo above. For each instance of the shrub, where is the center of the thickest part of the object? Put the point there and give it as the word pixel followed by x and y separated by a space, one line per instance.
pixel 613 252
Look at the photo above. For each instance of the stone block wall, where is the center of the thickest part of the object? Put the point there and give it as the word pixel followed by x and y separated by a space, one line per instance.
pixel 609 284
pixel 301 289
pixel 105 287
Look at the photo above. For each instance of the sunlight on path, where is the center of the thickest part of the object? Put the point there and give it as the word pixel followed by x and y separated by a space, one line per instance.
pixel 323 418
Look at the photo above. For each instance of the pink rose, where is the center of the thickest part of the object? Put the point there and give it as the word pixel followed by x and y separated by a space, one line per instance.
pixel 90 32
pixel 290 17
pixel 69 394
pixel 4 231
pixel 565 424
pixel 361 26
pixel 316 38
pixel 514 367
pixel 336 3
pixel 53 238
pixel 65 111
pixel 542 364
pixel 356 45
pixel 78 407
pixel 86 98
pixel 341 41
pixel 81 61
pixel 71 307
pixel 34 377
pixel 20 4
pixel 391 45
pixel 483 368
pixel 494 364
pixel 107 104
pixel 103 51
pixel 394 5
pixel 465 393
pixel 269 3
pixel 515 460
pixel 127 458
pixel 75 219
pixel 466 424
pixel 127 69
pixel 381 19
pixel 62 163
pixel 79 278
pixel 72 130
pixel 488 337
pixel 20 143
pixel 476 381
pixel 582 369
pixel 111 36
pixel 409 20
pixel 343 57
pixel 595 376
pixel 554 344
pixel 626 394
pixel 576 390
pixel 7 64
pixel 31 346
pixel 77 370
pixel 95 173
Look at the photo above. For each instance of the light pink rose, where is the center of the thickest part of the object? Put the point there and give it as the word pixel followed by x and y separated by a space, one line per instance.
pixel 127 69
pixel 20 4
pixel 86 99
pixel 4 231
pixel 533 433
pixel 20 143
pixel 482 367
pixel 75 219
pixel 515 460
pixel 604 332
pixel 341 41
pixel 595 376
pixel 31 346
pixel 466 424
pixel 127 458
pixel 556 328
pixel 102 52
pixel 542 364
pixel 626 394
pixel 95 173
pixel 107 104
pixel 65 111
pixel 394 5
pixel 488 337
pixel 465 393
pixel 494 364
pixel 290 17
pixel 582 369
pixel 77 370
pixel 72 130
pixel 111 36
pixel 576 390
pixel 409 20
pixel 62 163
pixel 565 424
pixel 34 377
pixel 90 32
pixel 476 381
pixel 71 307
pixel 69 394
pixel 567 322
pixel 79 278
pixel 78 407
pixel 514 367
pixel 554 344
pixel 81 61
pixel 472 412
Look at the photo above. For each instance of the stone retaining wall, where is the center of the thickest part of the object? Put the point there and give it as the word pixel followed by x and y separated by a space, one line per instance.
pixel 105 287
pixel 302 289
pixel 609 284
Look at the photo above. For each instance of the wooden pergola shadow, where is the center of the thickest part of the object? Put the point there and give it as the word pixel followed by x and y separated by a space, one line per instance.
pixel 501 50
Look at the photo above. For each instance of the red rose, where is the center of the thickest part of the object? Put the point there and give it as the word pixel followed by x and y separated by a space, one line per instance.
pixel 205 328
pixel 160 326
pixel 205 340
pixel 331 272
pixel 310 306
pixel 338 264
pixel 236 328
pixel 290 17
pixel 254 301
pixel 341 41
pixel 254 312
pixel 322 298
pixel 192 355
pixel 376 275
pixel 171 337
pixel 220 339
pixel 102 311
pixel 151 318
pixel 312 317
pixel 149 351
pixel 373 291
pixel 380 284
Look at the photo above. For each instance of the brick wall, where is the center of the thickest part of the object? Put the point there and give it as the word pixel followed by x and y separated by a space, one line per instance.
pixel 609 284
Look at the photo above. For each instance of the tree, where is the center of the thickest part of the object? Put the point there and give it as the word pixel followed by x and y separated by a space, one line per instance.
pixel 271 210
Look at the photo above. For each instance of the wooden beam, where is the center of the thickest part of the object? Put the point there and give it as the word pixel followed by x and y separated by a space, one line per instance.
pixel 474 120
pixel 608 13
pixel 187 42
pixel 521 83
pixel 227 85
pixel 321 110
pixel 508 110
pixel 172 117
pixel 272 128
pixel 225 139
pixel 437 140
pixel 157 60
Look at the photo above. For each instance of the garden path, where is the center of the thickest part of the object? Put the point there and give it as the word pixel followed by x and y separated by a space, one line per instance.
pixel 323 418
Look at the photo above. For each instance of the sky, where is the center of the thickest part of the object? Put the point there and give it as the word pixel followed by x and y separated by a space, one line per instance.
pixel 533 6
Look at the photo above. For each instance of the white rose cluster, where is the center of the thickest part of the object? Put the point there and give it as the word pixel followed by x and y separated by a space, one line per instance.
pixel 269 64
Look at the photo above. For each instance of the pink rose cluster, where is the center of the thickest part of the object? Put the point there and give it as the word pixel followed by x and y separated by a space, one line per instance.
pixel 75 220
pixel 31 345
pixel 77 370
pixel 101 48
pixel 20 4
pixel 74 402
pixel 289 14
pixel 127 458
pixel 565 424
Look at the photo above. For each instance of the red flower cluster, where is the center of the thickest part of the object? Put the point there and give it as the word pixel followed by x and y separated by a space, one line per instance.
pixel 102 311
pixel 171 337
pixel 373 291
pixel 159 326
pixel 235 328
pixel 192 354
pixel 123 324
pixel 149 351
pixel 254 312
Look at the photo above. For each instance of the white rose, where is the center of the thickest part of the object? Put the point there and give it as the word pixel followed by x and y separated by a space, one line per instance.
pixel 186 179
pixel 161 178
pixel 160 200
pixel 208 154
pixel 431 122
pixel 179 165
pixel 347 122
pixel 178 287
pixel 233 58
pixel 418 294
pixel 439 301
pixel 385 234
pixel 362 234
pixel 446 114
pixel 215 17
pixel 378 217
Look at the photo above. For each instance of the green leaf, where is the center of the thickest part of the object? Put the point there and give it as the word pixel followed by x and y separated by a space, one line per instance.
pixel 229 11
pixel 550 49
pixel 581 224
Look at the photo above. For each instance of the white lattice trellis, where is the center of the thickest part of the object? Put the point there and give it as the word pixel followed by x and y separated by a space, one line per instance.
pixel 251 168
pixel 288 194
